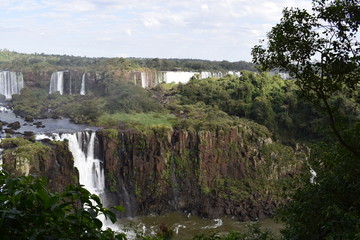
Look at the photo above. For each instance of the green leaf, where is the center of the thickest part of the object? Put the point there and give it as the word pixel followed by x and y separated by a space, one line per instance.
pixel 119 208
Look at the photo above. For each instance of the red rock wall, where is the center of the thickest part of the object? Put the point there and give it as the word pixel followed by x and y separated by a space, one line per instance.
pixel 210 173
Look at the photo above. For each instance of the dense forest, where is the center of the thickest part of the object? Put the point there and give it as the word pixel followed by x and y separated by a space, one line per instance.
pixel 40 61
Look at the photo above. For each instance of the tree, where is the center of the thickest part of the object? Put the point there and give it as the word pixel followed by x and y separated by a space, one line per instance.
pixel 320 50
pixel 28 210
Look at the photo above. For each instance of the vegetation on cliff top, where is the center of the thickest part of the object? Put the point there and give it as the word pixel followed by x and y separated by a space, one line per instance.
pixel 10 60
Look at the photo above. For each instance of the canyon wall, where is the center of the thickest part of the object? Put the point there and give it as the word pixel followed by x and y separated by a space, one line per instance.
pixel 50 159
pixel 237 171
pixel 233 171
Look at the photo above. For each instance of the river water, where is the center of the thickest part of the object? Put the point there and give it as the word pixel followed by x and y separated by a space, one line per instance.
pixel 185 226
pixel 61 125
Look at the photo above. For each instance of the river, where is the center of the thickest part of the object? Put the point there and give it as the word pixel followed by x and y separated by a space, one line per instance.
pixel 186 226
pixel 49 125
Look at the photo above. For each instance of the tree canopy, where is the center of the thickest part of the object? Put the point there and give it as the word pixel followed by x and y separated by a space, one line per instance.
pixel 321 50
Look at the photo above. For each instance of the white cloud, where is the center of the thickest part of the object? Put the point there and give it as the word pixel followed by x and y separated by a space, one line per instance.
pixel 204 7
pixel 215 29
pixel 151 22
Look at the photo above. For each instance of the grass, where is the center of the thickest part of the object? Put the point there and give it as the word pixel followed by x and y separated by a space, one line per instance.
pixel 145 119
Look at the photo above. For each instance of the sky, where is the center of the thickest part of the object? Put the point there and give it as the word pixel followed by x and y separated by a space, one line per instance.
pixel 192 29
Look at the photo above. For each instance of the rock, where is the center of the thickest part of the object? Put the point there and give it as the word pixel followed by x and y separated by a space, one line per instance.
pixel 15 125
pixel 9 131
pixel 28 134
pixel 55 116
pixel 39 123
pixel 29 119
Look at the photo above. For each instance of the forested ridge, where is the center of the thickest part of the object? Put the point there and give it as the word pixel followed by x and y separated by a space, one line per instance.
pixel 41 61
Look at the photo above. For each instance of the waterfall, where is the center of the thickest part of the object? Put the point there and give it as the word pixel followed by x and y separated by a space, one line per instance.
pixel 82 145
pixel 91 170
pixel 144 80
pixel 1 160
pixel 178 77
pixel 57 82
pixel 184 77
pixel 82 90
pixel 11 83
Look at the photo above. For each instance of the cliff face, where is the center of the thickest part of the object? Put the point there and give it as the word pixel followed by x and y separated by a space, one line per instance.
pixel 236 171
pixel 94 79
pixel 52 160
pixel 233 171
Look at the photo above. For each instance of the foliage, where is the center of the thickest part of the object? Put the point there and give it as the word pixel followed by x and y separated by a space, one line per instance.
pixel 30 211
pixel 329 209
pixel 123 96
pixel 321 50
pixel 193 65
pixel 29 103
pixel 254 233
pixel 145 119
pixel 46 62
pixel 268 100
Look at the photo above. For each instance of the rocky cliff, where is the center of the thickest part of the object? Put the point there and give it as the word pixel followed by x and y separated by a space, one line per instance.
pixel 94 79
pixel 235 171
pixel 50 159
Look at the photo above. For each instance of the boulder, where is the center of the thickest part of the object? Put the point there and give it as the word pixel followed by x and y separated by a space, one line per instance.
pixel 15 125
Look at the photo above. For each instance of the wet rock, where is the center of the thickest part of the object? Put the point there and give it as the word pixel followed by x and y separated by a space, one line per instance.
pixel 15 125
pixel 9 131
pixel 29 119
pixel 37 123
pixel 55 116
pixel 28 134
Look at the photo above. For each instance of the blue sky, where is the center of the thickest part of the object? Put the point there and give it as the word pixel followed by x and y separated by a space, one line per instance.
pixel 201 29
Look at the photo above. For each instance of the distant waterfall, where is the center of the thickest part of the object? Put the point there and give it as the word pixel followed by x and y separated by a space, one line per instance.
pixel 144 80
pixel 1 160
pixel 10 83
pixel 82 90
pixel 57 82
pixel 177 77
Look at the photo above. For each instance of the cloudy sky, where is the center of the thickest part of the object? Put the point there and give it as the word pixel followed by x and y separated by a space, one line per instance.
pixel 201 29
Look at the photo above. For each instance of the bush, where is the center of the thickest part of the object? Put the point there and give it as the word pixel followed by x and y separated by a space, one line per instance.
pixel 28 210
pixel 329 209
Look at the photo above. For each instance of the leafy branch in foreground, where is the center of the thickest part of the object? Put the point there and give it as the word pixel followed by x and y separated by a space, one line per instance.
pixel 28 210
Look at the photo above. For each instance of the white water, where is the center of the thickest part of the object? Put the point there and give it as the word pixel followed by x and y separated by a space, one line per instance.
pixel 11 83
pixel 1 160
pixel 82 90
pixel 184 77
pixel 91 171
pixel 178 77
pixel 144 80
pixel 57 82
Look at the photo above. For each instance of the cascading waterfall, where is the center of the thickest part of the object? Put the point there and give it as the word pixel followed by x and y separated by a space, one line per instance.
pixel 1 160
pixel 57 82
pixel 11 83
pixel 82 90
pixel 144 80
pixel 184 77
pixel 82 146
pixel 91 170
